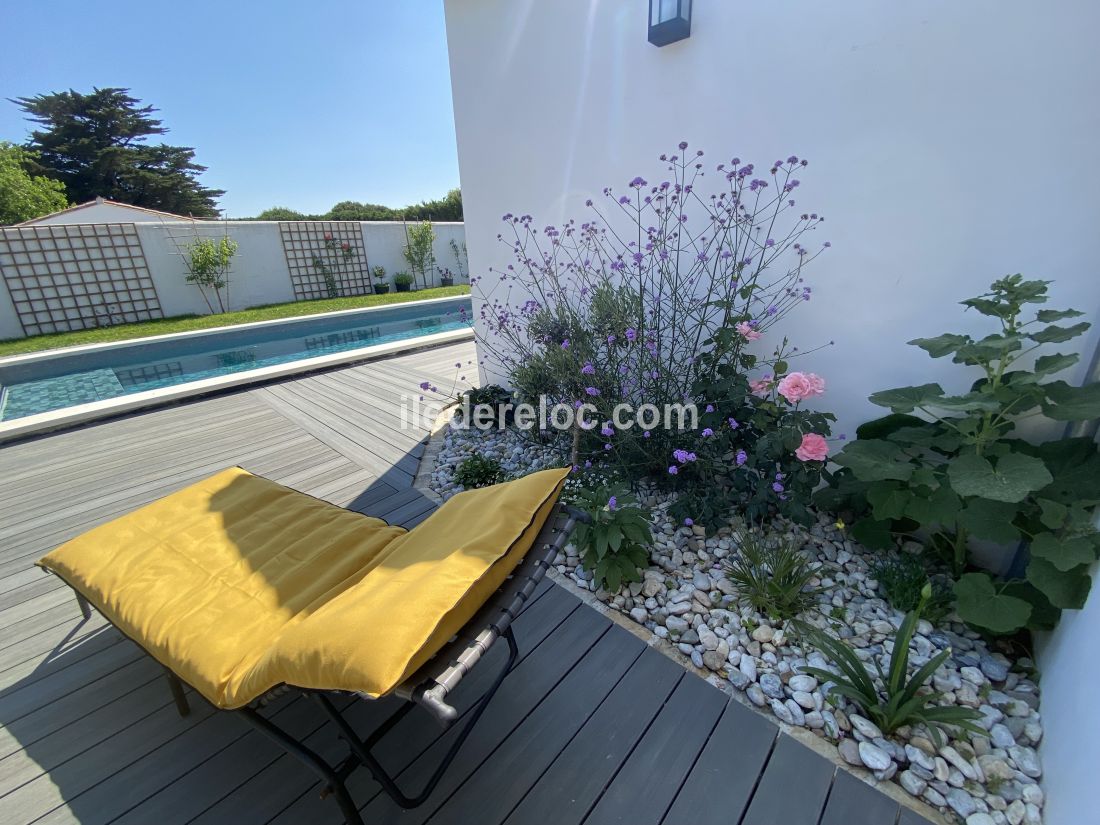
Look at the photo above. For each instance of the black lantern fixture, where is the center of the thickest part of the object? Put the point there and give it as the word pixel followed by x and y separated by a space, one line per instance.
pixel 669 21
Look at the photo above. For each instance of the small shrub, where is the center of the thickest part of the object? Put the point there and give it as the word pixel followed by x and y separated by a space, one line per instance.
pixel 899 701
pixel 615 545
pixel 903 578
pixel 479 471
pixel 771 577
pixel 403 279
pixel 493 395
pixel 379 273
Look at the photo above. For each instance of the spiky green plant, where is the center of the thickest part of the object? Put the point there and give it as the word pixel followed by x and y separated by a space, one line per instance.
pixel 773 578
pixel 900 701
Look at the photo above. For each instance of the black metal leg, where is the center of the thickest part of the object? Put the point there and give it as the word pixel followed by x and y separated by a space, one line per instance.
pixel 85 607
pixel 329 775
pixel 362 749
pixel 180 698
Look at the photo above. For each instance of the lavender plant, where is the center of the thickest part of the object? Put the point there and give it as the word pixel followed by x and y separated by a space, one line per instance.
pixel 669 294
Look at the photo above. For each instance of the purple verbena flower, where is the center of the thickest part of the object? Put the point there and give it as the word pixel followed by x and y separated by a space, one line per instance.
pixel 707 432
pixel 673 470
pixel 612 503
pixel 588 369
pixel 591 390
pixel 742 457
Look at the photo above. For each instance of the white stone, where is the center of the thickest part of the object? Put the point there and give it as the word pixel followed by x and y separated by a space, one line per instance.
pixel 865 727
pixel 803 682
pixel 873 756
pixel 980 819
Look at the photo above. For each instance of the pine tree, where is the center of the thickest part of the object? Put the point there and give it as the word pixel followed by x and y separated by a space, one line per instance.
pixel 95 145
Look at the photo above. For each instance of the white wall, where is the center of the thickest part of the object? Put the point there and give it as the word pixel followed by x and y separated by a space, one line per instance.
pixel 101 213
pixel 259 273
pixel 950 142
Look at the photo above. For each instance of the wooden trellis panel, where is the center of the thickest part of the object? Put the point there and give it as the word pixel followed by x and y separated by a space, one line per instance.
pixel 77 276
pixel 327 259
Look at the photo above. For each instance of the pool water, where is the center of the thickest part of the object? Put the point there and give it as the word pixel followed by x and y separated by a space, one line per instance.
pixel 79 378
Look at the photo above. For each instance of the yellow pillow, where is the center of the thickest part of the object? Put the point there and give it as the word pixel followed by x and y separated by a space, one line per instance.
pixel 374 635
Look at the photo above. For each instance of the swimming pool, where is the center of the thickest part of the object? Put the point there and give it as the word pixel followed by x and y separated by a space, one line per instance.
pixel 30 385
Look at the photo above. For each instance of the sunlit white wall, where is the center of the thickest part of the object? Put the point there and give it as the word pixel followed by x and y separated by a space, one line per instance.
pixel 950 142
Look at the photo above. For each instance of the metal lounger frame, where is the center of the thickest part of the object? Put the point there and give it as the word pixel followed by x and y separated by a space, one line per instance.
pixel 428 687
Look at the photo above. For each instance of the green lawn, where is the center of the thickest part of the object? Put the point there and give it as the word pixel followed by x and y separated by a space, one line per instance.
pixel 185 323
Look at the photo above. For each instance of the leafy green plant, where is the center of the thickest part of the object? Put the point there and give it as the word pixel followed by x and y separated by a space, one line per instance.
pixel 403 279
pixel 491 395
pixel 903 578
pixel 208 261
pixel 896 699
pixel 478 471
pixel 419 250
pixel 772 577
pixel 614 544
pixel 947 467
pixel 378 273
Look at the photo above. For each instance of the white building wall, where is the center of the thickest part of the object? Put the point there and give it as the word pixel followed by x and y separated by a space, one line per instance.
pixel 950 142
pixel 100 213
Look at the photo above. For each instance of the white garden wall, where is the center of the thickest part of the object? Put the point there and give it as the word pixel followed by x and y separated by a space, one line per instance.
pixel 259 274
pixel 950 143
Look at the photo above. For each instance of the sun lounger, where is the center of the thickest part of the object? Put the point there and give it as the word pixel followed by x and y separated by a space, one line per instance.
pixel 243 589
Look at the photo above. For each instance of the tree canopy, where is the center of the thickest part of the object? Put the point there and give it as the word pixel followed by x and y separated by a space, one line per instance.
pixel 447 208
pixel 95 144
pixel 24 196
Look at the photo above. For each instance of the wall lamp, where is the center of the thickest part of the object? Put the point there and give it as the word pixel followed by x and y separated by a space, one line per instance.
pixel 669 21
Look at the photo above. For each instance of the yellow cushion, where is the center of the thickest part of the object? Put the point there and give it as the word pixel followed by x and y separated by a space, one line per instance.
pixel 239 584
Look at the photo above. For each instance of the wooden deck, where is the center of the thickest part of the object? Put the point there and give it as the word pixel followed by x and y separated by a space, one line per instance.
pixel 591 726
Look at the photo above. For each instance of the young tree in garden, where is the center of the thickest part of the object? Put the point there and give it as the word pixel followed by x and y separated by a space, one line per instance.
pixel 24 196
pixel 95 145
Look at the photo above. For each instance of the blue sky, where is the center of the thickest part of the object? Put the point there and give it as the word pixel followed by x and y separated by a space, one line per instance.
pixel 298 104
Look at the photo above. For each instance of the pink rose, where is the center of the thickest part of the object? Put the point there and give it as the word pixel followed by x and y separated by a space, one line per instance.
pixel 798 386
pixel 745 330
pixel 812 448
pixel 762 386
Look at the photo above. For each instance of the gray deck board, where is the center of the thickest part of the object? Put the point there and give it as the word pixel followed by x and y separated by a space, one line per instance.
pixel 792 766
pixel 851 800
pixel 89 734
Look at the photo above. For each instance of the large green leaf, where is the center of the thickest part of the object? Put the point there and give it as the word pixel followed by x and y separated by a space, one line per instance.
pixel 873 534
pixel 990 520
pixel 1050 364
pixel 1064 553
pixel 1067 589
pixel 875 460
pixel 987 306
pixel 1049 316
pixel 1052 513
pixel 887 425
pixel 888 502
pixel 941 345
pixel 907 399
pixel 968 403
pixel 1068 403
pixel 1011 480
pixel 1044 615
pixel 981 604
pixel 990 348
pixel 1056 334
pixel 1075 465
pixel 935 436
pixel 939 508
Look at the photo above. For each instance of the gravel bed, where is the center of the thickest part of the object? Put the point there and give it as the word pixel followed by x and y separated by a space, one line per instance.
pixel 686 599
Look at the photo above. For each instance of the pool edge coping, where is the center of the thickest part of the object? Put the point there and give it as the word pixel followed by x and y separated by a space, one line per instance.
pixel 69 417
